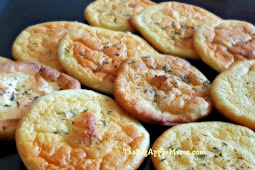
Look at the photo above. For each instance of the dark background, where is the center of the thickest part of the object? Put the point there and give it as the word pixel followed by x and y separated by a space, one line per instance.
pixel 16 15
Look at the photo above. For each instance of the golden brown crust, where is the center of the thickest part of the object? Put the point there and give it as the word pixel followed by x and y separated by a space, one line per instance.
pixel 162 89
pixel 20 67
pixel 64 80
pixel 21 84
pixel 92 55
pixel 221 43
pixel 233 93
pixel 170 26
pixel 205 145
pixel 38 43
pixel 114 14
pixel 79 129
pixel 48 74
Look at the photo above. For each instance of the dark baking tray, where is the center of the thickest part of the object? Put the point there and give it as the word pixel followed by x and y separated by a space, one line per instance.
pixel 16 15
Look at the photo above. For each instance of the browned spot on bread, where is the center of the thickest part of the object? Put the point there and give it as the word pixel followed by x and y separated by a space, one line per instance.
pixel 84 129
pixel 96 61
pixel 160 82
pixel 243 50
pixel 9 122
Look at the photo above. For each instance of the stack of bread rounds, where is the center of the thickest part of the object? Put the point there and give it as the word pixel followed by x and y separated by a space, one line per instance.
pixel 38 43
pixel 223 42
pixel 170 27
pixel 79 129
pixel 60 126
pixel 93 55
pixel 21 85
pixel 114 14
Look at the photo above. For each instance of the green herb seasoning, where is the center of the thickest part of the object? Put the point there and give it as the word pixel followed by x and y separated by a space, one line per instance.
pixel 104 122
pixel 67 50
pixel 13 96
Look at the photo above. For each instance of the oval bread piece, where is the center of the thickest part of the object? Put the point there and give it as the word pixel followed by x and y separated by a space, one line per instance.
pixel 205 145
pixel 79 129
pixel 170 26
pixel 22 84
pixel 3 59
pixel 162 89
pixel 38 43
pixel 221 43
pixel 92 55
pixel 114 14
pixel 233 93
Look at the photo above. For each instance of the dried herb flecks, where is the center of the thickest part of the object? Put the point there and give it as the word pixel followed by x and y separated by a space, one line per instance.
pixel 67 50
pixel 13 96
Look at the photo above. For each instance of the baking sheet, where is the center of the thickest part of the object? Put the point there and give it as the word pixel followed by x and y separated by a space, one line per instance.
pixel 16 15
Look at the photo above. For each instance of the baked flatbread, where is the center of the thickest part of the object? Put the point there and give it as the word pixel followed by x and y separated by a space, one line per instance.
pixel 79 129
pixel 162 89
pixel 221 43
pixel 114 14
pixel 170 26
pixel 92 55
pixel 233 93
pixel 205 145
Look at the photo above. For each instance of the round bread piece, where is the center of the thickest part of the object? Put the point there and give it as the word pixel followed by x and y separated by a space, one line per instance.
pixel 162 89
pixel 38 43
pixel 221 43
pixel 79 129
pixel 3 59
pixel 22 84
pixel 114 14
pixel 205 145
pixel 170 27
pixel 233 93
pixel 92 55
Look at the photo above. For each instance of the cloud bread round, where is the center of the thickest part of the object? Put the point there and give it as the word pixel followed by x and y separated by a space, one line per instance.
pixel 79 129
pixel 22 84
pixel 114 14
pixel 226 146
pixel 92 55
pixel 221 43
pixel 170 27
pixel 162 89
pixel 3 59
pixel 38 43
pixel 233 93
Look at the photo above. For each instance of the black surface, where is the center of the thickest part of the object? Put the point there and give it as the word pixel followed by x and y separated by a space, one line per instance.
pixel 16 15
